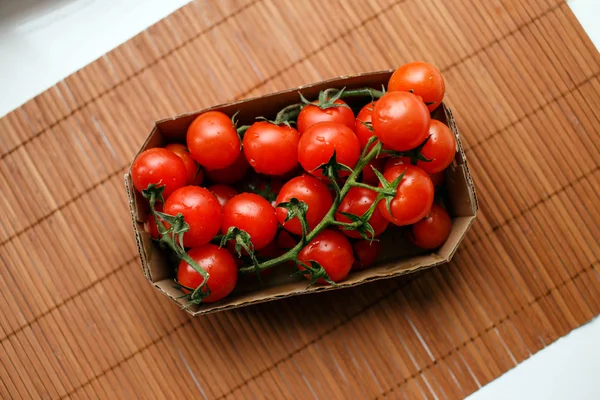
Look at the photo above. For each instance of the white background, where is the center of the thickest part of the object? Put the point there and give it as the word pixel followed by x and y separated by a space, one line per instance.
pixel 43 41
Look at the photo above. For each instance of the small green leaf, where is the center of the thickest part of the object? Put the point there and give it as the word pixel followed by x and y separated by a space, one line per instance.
pixel 154 193
pixel 331 168
pixel 295 207
pixel 315 271
pixel 367 125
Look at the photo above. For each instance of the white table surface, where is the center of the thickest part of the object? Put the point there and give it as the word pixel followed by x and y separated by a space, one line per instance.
pixel 37 38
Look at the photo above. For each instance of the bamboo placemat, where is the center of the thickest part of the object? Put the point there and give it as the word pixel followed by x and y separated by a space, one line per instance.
pixel 79 320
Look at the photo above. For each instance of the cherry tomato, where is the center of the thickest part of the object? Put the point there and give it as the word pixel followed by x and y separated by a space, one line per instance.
pixel 362 132
pixel 218 263
pixel 231 174
pixel 432 231
pixel 285 241
pixel 368 176
pixel 401 120
pixel 160 167
pixel 333 251
pixel 320 140
pixel 366 253
pixel 201 210
pixel 199 178
pixel 253 214
pixel 191 166
pixel 311 115
pixel 150 224
pixel 422 79
pixel 440 148
pixel 223 193
pixel 437 179
pixel 213 140
pixel 309 190
pixel 395 161
pixel 414 195
pixel 357 201
pixel 271 149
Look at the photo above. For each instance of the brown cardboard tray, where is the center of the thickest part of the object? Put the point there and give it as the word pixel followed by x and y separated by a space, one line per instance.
pixel 396 258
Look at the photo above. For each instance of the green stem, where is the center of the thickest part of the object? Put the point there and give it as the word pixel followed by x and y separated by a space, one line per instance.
pixel 376 94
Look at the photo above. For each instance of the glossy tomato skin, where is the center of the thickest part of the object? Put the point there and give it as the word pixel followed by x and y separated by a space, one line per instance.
pixel 333 251
pixel 231 174
pixel 414 195
pixel 223 193
pixel 440 148
pixel 357 201
pixel 368 176
pixel 401 120
pixel 310 190
pixel 395 161
pixel 200 209
pixel 311 115
pixel 218 263
pixel 158 166
pixel 362 132
pixel 191 166
pixel 253 214
pixel 213 140
pixel 271 149
pixel 318 143
pixel 423 79
pixel 366 253
pixel 432 231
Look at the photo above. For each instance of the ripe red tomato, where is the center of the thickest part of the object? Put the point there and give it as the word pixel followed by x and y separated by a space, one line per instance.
pixel 309 190
pixel 432 231
pixel 368 176
pixel 253 214
pixel 440 148
pixel 395 161
pixel 231 174
pixel 366 253
pixel 150 224
pixel 200 209
pixel 223 193
pixel 213 140
pixel 158 166
pixel 218 263
pixel 401 120
pixel 333 251
pixel 362 132
pixel 271 149
pixel 191 166
pixel 423 79
pixel 357 201
pixel 318 143
pixel 311 115
pixel 414 195
pixel 285 241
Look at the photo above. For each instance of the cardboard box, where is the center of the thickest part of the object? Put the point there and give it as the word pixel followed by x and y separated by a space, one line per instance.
pixel 397 258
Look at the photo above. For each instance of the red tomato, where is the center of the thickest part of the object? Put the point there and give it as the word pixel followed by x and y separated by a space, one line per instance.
pixel 318 143
pixel 231 174
pixel 200 209
pixel 332 251
pixel 213 140
pixel 311 115
pixel 401 120
pixel 271 149
pixel 218 263
pixel 366 253
pixel 432 231
pixel 414 195
pixel 150 224
pixel 362 132
pixel 437 179
pixel 160 167
pixel 423 79
pixel 253 214
pixel 285 241
pixel 223 193
pixel 309 190
pixel 199 178
pixel 395 161
pixel 357 201
pixel 191 166
pixel 368 176
pixel 440 148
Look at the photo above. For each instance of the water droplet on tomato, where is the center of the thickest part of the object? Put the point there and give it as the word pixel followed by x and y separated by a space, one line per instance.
pixel 320 138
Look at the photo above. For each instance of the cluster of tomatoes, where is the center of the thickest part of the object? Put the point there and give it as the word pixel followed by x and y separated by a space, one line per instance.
pixel 315 187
